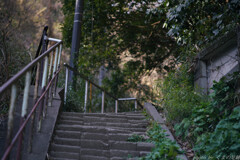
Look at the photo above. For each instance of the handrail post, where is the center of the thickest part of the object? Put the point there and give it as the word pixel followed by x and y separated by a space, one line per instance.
pixel 43 76
pixel 42 105
pixel 58 67
pixel 24 110
pixel 11 113
pixel 59 56
pixel 135 105
pixel 103 97
pixel 116 106
pixel 50 75
pixel 55 60
pixel 66 86
pixel 86 95
pixel 44 82
pixel 55 69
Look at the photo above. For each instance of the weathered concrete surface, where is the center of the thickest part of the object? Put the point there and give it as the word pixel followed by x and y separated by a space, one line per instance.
pixel 94 136
pixel 216 61
pixel 151 110
pixel 40 139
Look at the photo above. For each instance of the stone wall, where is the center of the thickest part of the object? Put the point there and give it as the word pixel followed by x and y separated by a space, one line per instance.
pixel 216 61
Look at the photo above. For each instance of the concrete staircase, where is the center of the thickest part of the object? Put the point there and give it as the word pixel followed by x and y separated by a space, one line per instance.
pixel 95 136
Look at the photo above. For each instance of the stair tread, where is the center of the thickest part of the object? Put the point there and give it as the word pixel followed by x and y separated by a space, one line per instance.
pixel 67 155
pixel 96 136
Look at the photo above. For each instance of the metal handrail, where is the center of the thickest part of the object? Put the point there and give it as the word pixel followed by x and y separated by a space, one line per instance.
pixel 102 89
pixel 11 81
pixel 85 78
pixel 48 77
pixel 28 117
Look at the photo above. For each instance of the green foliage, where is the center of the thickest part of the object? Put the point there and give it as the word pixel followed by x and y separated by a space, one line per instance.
pixel 213 126
pixel 197 22
pixel 165 149
pixel 179 97
pixel 75 101
pixel 136 138
pixel 67 26
pixel 224 140
pixel 113 28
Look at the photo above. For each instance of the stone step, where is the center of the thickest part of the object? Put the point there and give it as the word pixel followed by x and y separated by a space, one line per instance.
pixel 65 148
pixel 102 114
pixel 121 125
pixel 138 121
pixel 66 141
pixel 95 152
pixel 123 153
pixel 94 136
pixel 94 144
pixel 110 118
pixel 143 153
pixel 70 122
pixel 88 157
pixel 75 114
pixel 68 134
pixel 88 119
pixel 97 136
pixel 118 136
pixel 81 128
pixel 98 129
pixel 54 158
pixel 120 145
pixel 73 118
pixel 123 158
pixel 64 155
pixel 114 136
pixel 144 146
pixel 135 117
pixel 124 116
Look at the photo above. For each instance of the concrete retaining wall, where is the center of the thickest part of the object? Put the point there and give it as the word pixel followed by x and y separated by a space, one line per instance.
pixel 217 61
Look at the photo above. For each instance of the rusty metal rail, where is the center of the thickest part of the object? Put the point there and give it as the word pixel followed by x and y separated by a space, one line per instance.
pixel 87 81
pixel 44 70
pixel 46 77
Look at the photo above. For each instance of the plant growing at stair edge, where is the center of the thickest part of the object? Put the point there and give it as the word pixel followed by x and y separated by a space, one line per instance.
pixel 214 127
pixel 165 149
pixel 179 97
pixel 75 100
pixel 136 138
pixel 224 141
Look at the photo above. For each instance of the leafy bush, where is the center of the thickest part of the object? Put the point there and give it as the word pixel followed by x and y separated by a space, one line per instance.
pixel 206 116
pixel 75 101
pixel 213 127
pixel 165 149
pixel 224 141
pixel 179 97
pixel 136 138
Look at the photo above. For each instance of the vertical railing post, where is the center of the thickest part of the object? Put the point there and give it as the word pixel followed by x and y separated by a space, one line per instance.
pixel 86 95
pixel 54 70
pixel 116 106
pixel 59 55
pixel 103 97
pixel 24 110
pixel 135 105
pixel 50 75
pixel 66 86
pixel 11 113
pixel 34 101
pixel 42 104
pixel 58 67
pixel 55 61
pixel 44 82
